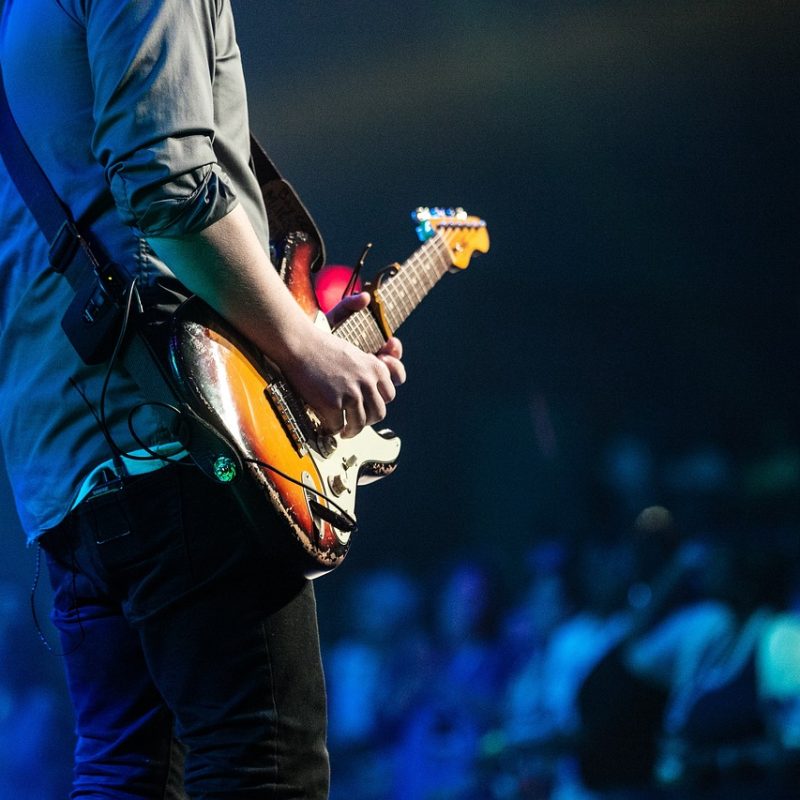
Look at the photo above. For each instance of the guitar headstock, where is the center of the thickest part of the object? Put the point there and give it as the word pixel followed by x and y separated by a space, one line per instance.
pixel 462 233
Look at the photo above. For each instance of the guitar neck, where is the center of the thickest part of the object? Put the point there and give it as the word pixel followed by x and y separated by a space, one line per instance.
pixel 399 294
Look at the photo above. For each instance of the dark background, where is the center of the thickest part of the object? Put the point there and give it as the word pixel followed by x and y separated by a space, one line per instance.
pixel 636 164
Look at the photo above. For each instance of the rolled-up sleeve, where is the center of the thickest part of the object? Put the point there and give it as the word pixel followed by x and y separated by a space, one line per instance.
pixel 152 65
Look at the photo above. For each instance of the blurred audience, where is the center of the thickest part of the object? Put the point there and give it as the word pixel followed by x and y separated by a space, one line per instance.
pixel 376 669
pixel 647 661
pixel 438 745
pixel 732 683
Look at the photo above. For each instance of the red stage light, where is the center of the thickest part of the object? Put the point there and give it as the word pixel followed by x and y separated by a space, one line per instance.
pixel 330 282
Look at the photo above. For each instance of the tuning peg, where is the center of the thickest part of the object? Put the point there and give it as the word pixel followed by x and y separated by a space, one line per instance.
pixel 425 230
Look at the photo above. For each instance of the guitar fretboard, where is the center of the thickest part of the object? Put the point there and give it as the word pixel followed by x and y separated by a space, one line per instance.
pixel 400 294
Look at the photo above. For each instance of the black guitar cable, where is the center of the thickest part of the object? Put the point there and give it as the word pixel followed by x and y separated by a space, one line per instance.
pixel 336 514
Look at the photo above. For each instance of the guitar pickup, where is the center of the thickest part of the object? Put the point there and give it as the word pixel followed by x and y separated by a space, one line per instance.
pixel 275 392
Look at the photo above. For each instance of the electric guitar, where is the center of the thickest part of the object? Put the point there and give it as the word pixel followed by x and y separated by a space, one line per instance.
pixel 264 440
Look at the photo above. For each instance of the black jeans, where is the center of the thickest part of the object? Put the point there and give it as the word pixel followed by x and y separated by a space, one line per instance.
pixel 183 637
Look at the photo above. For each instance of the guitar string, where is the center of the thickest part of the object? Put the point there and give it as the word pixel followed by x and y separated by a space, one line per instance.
pixel 419 274
pixel 423 269
pixel 400 293
pixel 357 326
pixel 416 278
pixel 363 327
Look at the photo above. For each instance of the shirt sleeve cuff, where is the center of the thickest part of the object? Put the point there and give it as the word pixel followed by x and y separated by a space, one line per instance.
pixel 186 205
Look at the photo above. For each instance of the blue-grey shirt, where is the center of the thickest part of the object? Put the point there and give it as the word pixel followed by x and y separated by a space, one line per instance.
pixel 137 113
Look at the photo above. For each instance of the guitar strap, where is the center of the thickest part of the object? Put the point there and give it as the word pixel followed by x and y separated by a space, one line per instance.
pixel 285 211
pixel 93 320
pixel 98 284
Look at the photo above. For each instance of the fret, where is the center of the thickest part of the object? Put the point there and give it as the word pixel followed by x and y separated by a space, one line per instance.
pixel 361 330
pixel 402 292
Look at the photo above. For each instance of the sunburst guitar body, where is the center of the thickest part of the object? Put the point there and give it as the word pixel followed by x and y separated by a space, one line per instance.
pixel 265 442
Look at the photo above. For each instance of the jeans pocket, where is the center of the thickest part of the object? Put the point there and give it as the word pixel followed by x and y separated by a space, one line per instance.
pixel 137 522
pixel 141 547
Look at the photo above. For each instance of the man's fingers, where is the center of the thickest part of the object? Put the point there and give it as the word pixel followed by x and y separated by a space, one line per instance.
pixel 392 347
pixel 397 372
pixel 387 391
pixel 347 306
pixel 332 420
pixel 390 354
pixel 355 418
pixel 362 384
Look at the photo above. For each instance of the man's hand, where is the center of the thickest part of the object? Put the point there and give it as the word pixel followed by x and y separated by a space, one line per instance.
pixel 347 388
pixel 226 266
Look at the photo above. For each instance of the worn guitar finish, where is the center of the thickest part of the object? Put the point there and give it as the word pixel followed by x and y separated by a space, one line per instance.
pixel 272 450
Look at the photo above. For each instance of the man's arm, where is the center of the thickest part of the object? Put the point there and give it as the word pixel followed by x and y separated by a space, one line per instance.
pixel 153 64
pixel 226 266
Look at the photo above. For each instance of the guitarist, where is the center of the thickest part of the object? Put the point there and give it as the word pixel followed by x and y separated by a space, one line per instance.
pixel 192 657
